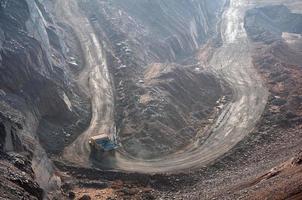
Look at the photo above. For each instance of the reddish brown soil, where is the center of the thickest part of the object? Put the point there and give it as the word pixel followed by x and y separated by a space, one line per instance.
pixel 280 64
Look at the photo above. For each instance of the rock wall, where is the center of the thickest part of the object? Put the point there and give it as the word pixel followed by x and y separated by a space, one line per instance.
pixel 268 23
pixel 36 77
pixel 17 178
pixel 155 30
pixel 37 85
pixel 16 173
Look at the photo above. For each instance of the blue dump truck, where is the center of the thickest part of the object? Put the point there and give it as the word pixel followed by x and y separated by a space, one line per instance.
pixel 102 145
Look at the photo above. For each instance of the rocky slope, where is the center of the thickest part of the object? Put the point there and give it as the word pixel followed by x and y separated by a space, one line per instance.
pixel 157 30
pixel 165 94
pixel 36 79
pixel 276 35
pixel 17 178
pixel 267 163
pixel 41 61
pixel 37 86
pixel 155 99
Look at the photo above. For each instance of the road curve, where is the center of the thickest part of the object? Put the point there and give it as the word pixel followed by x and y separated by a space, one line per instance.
pixel 231 62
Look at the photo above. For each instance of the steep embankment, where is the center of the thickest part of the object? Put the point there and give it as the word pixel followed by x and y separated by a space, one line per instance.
pixel 154 30
pixel 16 173
pixel 37 82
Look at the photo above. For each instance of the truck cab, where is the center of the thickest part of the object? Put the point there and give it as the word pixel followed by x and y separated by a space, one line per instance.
pixel 102 144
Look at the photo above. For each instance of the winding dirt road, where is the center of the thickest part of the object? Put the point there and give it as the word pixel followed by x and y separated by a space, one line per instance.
pixel 231 62
pixel 95 81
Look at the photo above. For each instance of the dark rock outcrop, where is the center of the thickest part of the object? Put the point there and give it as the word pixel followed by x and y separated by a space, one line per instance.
pixel 267 23
pixel 34 75
pixel 17 178
pixel 16 183
pixel 40 103
pixel 154 30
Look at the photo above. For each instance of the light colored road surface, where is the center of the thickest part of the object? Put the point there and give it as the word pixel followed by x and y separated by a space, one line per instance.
pixel 95 81
pixel 231 62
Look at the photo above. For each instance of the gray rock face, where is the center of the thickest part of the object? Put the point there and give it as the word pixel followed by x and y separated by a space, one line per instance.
pixel 1 38
pixel 36 82
pixel 16 174
pixel 36 25
pixel 267 23
pixel 1 42
pixel 180 25
pixel 157 30
pixel 17 178
pixel 33 71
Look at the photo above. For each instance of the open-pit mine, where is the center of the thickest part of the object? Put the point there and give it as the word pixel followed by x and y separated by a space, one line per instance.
pixel 150 99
